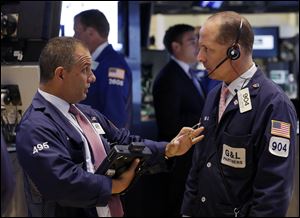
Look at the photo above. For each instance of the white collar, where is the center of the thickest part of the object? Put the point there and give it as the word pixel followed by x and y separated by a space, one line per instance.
pixel 59 103
pixel 183 65
pixel 242 80
pixel 98 50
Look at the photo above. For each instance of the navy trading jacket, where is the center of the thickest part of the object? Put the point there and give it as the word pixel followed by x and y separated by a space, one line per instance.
pixel 245 163
pixel 111 94
pixel 51 152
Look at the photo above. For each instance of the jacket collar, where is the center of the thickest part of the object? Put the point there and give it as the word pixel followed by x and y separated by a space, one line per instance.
pixel 254 87
pixel 39 103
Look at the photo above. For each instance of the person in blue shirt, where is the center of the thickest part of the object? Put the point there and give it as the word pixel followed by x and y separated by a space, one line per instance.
pixel 245 165
pixel 55 151
pixel 111 94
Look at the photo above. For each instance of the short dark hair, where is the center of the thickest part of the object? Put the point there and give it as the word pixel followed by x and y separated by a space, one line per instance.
pixel 96 19
pixel 58 52
pixel 229 30
pixel 175 34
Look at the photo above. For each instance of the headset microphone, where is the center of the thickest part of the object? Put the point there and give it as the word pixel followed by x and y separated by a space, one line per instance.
pixel 225 59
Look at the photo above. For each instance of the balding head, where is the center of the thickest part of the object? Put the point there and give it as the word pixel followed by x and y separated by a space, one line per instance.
pixel 228 23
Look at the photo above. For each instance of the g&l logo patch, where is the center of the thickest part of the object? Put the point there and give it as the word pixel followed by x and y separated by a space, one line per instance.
pixel 234 157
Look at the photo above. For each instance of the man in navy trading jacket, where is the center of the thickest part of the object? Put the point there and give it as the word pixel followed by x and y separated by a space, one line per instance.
pixel 245 164
pixel 111 94
pixel 57 152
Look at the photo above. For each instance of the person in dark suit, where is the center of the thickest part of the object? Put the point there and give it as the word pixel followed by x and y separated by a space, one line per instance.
pixel 178 100
pixel 173 87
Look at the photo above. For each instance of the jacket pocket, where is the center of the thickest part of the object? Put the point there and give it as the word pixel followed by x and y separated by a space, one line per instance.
pixel 236 155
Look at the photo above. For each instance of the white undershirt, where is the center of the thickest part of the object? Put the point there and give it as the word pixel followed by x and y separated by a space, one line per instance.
pixel 183 65
pixel 98 50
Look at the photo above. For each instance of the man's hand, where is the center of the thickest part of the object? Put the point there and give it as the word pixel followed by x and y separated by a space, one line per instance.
pixel 123 181
pixel 183 141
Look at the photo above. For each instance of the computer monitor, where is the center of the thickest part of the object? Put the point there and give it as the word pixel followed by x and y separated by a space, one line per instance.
pixel 33 20
pixel 265 42
pixel 27 26
pixel 211 4
pixel 278 72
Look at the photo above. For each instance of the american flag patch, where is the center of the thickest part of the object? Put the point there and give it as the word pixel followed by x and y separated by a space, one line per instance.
pixel 280 128
pixel 116 73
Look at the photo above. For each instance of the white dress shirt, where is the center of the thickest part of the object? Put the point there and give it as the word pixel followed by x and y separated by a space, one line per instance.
pixel 63 107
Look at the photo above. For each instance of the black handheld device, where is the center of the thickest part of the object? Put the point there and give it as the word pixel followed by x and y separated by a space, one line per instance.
pixel 120 158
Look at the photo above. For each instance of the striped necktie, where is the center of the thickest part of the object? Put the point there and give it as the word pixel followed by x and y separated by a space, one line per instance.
pixel 114 203
pixel 92 137
pixel 222 103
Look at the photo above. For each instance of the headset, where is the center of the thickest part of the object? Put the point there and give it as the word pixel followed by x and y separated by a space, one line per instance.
pixel 233 52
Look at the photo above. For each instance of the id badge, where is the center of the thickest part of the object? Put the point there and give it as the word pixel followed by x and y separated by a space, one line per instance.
pixel 244 100
pixel 98 128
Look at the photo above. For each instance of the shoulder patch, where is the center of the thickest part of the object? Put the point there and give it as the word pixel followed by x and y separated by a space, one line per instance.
pixel 116 73
pixel 279 146
pixel 280 128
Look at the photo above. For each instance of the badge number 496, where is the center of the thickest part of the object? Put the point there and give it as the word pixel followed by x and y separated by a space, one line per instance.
pixel 40 147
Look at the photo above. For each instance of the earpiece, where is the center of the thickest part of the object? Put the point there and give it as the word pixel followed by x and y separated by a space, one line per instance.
pixel 233 52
